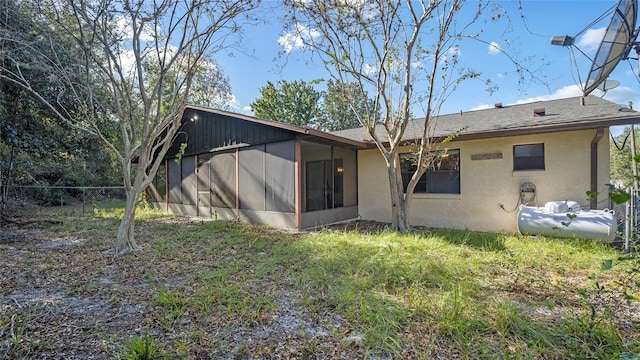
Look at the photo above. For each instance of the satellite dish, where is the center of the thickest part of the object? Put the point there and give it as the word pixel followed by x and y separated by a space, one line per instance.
pixel 607 85
pixel 618 40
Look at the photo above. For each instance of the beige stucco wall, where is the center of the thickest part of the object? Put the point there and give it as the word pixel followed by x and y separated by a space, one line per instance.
pixel 487 184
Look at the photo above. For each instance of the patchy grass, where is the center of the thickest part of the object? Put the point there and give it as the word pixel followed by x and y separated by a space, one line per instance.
pixel 208 289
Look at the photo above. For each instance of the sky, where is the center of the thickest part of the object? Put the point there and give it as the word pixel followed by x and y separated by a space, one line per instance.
pixel 268 53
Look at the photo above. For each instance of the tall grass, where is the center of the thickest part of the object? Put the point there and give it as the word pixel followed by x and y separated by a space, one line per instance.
pixel 447 294
pixel 478 292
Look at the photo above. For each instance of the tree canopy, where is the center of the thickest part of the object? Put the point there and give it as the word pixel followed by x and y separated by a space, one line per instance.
pixel 36 147
pixel 295 102
pixel 341 104
pixel 300 103
pixel 127 66
pixel 621 159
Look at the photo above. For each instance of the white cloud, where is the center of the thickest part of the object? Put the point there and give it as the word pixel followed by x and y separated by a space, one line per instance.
pixel 369 69
pixel 591 39
pixel 126 29
pixel 621 95
pixel 494 48
pixel 481 107
pixel 297 39
pixel 562 93
pixel 127 62
pixel 290 41
pixel 565 92
pixel 235 106
pixel 501 75
pixel 453 52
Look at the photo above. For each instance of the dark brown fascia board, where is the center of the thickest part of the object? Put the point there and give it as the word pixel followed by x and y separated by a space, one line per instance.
pixel 284 126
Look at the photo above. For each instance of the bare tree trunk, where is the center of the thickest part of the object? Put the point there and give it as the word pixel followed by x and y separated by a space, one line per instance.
pixel 2 191
pixel 7 177
pixel 125 240
pixel 398 204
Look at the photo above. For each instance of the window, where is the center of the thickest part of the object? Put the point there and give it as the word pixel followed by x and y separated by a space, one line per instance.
pixel 528 157
pixel 443 177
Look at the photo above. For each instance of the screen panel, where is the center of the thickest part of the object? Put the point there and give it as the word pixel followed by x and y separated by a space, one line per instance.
pixel 251 181
pixel 223 180
pixel 280 177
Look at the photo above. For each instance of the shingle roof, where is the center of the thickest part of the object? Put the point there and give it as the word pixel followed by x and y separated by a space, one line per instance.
pixel 560 115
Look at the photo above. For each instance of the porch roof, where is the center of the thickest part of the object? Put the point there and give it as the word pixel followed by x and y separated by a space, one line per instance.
pixel 307 133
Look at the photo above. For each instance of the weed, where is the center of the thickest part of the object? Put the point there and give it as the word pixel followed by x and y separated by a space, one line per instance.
pixel 18 328
pixel 174 305
pixel 141 348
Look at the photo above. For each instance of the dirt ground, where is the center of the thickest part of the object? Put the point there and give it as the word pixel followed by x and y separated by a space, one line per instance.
pixel 64 296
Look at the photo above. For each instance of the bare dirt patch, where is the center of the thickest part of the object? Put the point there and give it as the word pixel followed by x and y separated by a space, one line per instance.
pixel 204 294
pixel 63 296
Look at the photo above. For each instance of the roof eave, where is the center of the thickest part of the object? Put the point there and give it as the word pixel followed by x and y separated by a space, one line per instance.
pixel 545 129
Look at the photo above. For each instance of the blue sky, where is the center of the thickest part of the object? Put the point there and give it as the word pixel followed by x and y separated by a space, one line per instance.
pixel 258 59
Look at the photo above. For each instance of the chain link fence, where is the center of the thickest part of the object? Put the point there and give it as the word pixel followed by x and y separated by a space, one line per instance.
pixel 76 199
pixel 628 218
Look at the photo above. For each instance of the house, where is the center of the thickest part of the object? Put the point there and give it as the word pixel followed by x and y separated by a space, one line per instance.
pixel 240 167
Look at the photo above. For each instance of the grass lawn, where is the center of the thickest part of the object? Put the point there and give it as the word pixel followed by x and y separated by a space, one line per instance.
pixel 205 289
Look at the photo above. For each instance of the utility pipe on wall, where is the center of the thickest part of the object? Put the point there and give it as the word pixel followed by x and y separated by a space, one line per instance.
pixel 594 167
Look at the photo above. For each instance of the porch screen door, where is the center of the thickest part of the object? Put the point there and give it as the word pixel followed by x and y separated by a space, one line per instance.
pixel 316 186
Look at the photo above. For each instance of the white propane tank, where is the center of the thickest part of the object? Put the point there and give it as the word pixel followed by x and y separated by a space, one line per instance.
pixel 549 221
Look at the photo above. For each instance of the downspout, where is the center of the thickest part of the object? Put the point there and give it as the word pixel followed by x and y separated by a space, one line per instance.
pixel 594 167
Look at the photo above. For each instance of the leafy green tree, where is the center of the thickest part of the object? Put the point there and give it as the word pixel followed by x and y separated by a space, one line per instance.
pixel 296 103
pixel 35 146
pixel 340 105
pixel 621 159
pixel 211 87
pixel 299 103
pixel 132 66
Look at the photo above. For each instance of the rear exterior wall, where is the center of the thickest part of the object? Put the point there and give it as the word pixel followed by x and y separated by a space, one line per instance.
pixel 489 187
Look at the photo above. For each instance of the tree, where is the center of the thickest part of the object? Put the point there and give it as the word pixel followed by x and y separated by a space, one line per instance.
pixel 621 159
pixel 35 147
pixel 134 64
pixel 406 54
pixel 295 103
pixel 337 113
pixel 211 87
pixel 299 103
